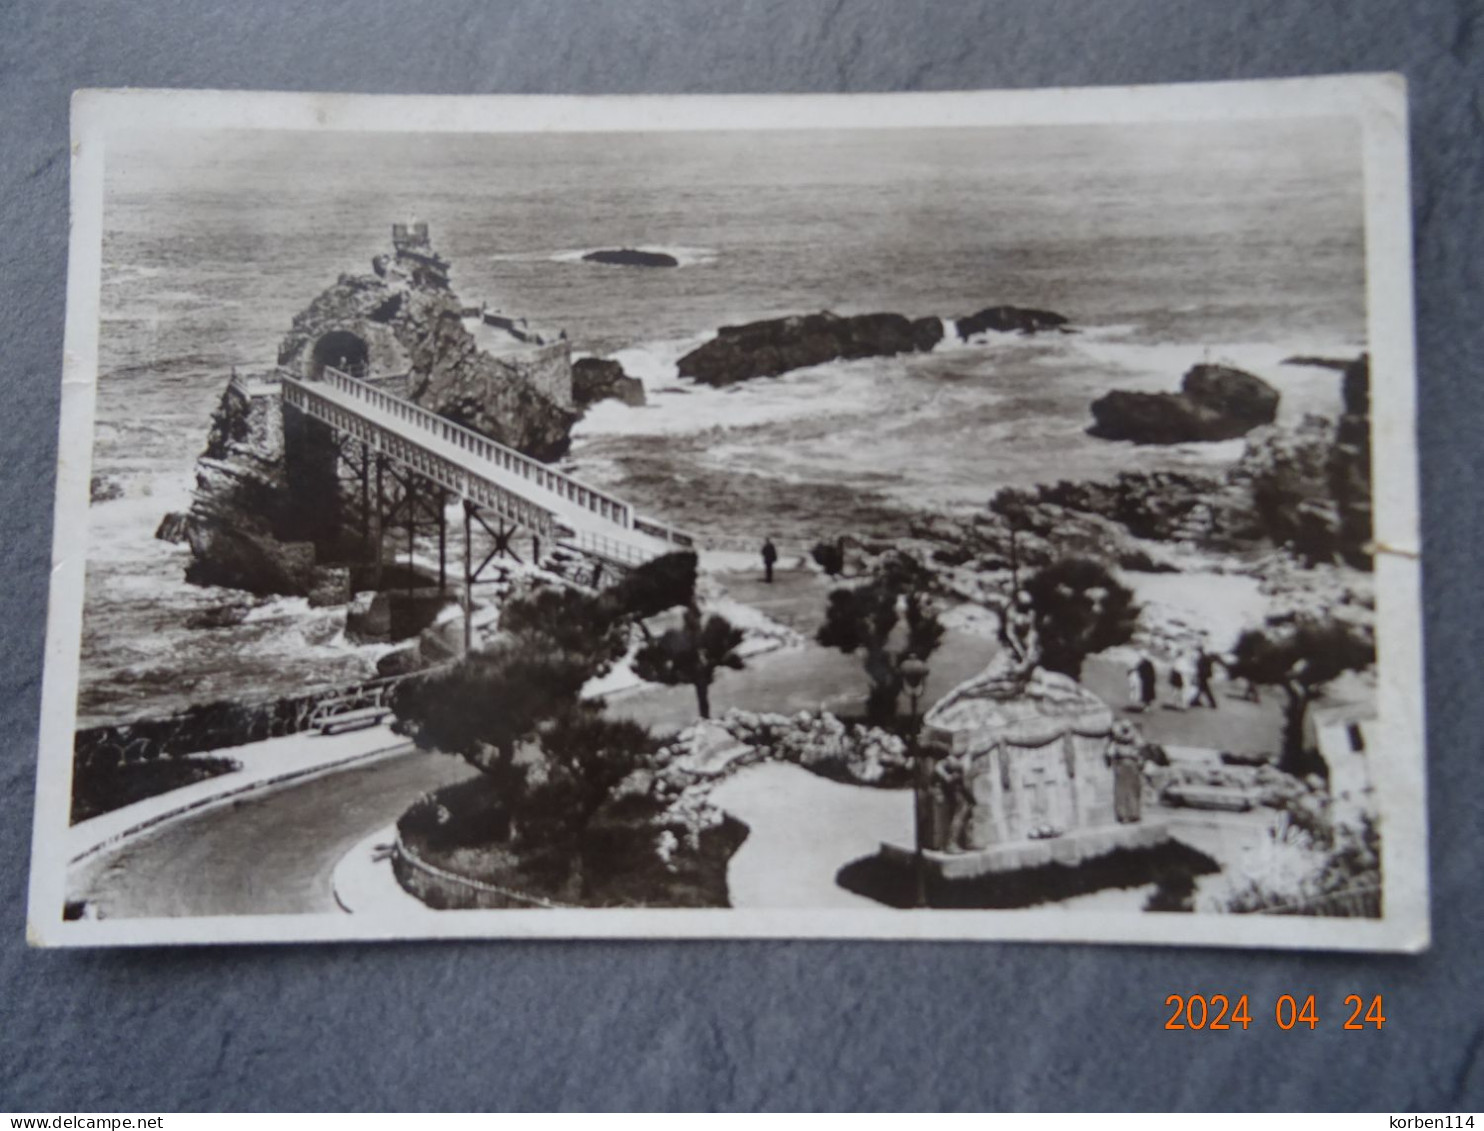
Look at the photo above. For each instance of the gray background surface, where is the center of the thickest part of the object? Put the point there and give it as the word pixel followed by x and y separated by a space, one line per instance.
pixel 739 1024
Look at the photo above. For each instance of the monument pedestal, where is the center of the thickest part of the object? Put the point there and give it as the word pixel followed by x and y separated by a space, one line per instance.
pixel 1070 848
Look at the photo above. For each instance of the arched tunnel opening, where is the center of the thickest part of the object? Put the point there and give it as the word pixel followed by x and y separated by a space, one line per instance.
pixel 342 350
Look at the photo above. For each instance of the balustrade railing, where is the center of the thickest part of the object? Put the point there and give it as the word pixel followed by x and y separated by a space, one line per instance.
pixel 456 476
pixel 546 478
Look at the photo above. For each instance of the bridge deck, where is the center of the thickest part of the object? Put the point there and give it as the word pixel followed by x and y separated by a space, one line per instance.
pixel 477 469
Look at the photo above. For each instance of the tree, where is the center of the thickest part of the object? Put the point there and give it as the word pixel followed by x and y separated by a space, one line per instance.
pixel 1080 608
pixel 692 655
pixel 567 622
pixel 486 705
pixel 830 556
pixel 656 585
pixel 586 757
pixel 864 619
pixel 1300 656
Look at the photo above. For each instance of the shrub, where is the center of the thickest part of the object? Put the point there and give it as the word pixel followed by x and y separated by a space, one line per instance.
pixel 830 557
pixel 691 655
pixel 820 742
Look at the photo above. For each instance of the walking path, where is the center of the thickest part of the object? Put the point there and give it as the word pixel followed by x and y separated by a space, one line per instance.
pixel 804 829
pixel 364 883
pixel 810 678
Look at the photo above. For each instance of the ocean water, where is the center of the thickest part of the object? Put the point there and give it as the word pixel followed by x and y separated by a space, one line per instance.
pixel 1240 242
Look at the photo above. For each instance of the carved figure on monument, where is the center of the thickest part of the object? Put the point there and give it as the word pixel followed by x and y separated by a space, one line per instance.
pixel 1126 758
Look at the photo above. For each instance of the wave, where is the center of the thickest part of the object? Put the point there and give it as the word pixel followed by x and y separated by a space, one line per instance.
pixel 873 387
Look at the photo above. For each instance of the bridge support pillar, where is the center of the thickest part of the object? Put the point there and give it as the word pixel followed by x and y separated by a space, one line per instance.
pixel 377 515
pixel 409 498
pixel 468 579
pixel 442 541
pixel 365 470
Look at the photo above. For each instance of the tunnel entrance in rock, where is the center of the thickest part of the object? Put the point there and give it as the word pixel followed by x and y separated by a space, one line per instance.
pixel 342 350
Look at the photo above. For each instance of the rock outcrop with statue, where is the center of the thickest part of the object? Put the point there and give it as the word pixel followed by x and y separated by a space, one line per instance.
pixel 269 514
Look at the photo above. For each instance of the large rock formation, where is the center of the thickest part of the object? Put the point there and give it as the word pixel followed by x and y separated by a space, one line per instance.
pixel 1215 402
pixel 402 320
pixel 1306 489
pixel 248 527
pixel 766 349
pixel 1310 487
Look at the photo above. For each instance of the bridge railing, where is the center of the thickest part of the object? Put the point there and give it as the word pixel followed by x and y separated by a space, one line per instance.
pixel 407 450
pixel 659 530
pixel 507 459
pixel 602 546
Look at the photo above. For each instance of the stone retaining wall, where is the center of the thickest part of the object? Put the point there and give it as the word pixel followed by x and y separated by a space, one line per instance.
pixel 447 891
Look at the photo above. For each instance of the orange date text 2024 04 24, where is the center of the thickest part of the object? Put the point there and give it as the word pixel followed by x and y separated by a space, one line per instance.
pixel 1221 1011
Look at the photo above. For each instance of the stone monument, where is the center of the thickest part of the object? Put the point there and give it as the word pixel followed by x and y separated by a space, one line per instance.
pixel 1028 768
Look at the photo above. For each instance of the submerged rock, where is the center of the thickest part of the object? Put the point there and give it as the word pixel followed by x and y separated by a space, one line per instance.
pixel 1216 402
pixel 768 348
pixel 220 616
pixel 1008 319
pixel 631 257
pixel 596 378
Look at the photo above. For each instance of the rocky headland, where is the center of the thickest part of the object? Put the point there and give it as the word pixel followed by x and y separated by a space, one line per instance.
pixel 1215 402
pixel 269 513
pixel 249 526
pixel 1293 510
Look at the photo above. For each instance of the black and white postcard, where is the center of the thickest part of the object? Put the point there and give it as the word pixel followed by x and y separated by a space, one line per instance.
pixel 966 516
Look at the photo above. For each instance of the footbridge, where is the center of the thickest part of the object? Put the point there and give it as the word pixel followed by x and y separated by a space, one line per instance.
pixel 437 462
pixel 476 469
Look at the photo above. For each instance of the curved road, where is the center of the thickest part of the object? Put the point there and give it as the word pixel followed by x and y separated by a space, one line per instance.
pixel 269 852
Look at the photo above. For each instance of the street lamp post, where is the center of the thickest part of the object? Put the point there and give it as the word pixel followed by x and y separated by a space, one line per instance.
pixel 914 678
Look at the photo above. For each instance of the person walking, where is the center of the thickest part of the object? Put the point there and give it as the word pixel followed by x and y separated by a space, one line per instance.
pixel 1177 686
pixel 770 555
pixel 1135 688
pixel 1148 681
